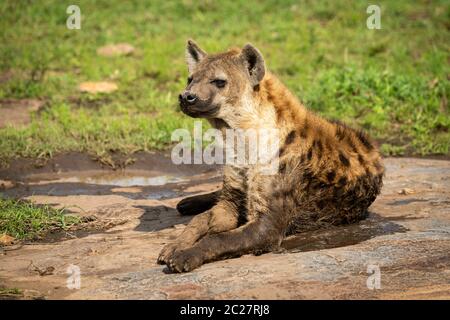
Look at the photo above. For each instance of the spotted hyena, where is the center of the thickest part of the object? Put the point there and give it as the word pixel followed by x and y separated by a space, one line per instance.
pixel 328 173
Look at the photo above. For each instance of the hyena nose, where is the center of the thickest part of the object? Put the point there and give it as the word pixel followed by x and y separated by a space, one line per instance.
pixel 188 98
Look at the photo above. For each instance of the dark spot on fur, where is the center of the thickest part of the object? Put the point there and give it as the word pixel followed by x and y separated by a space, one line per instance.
pixel 304 130
pixel 307 175
pixel 321 204
pixel 281 151
pixel 340 132
pixel 319 148
pixel 344 159
pixel 361 159
pixel 282 168
pixel 319 185
pixel 337 195
pixel 290 137
pixel 342 181
pixel 302 159
pixel 309 155
pixel 364 139
pixel 352 145
pixel 331 175
pixel 337 122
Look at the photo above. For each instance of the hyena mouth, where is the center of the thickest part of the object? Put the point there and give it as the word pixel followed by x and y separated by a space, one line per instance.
pixel 200 110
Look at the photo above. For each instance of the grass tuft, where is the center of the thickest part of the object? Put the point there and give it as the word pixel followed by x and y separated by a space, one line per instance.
pixel 26 221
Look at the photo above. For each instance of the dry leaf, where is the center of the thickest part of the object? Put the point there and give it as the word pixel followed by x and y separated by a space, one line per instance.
pixel 114 50
pixel 6 240
pixel 6 184
pixel 98 87
pixel 406 191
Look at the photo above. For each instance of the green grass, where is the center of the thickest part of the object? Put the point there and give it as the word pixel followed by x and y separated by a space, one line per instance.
pixel 26 221
pixel 392 82
pixel 10 293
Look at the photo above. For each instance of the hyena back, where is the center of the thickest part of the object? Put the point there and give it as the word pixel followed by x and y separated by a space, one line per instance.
pixel 328 173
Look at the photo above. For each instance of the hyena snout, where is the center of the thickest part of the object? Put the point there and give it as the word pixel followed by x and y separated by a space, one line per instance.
pixel 196 107
pixel 187 98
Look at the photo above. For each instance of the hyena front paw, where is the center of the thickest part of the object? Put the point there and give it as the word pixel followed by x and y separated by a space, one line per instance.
pixel 185 260
pixel 167 252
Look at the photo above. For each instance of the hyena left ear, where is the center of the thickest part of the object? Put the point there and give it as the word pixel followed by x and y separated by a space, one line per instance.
pixel 193 55
pixel 254 62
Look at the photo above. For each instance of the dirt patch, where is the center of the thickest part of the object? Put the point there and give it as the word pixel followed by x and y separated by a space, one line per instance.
pixel 17 112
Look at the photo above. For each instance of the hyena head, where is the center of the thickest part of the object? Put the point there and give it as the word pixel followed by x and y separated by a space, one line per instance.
pixel 221 86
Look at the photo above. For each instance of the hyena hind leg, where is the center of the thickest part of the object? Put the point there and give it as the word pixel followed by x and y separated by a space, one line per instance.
pixel 197 204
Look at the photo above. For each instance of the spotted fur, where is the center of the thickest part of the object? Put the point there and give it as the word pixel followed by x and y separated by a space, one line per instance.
pixel 329 173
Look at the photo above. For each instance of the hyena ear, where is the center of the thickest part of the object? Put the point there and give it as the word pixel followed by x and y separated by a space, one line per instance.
pixel 254 62
pixel 193 54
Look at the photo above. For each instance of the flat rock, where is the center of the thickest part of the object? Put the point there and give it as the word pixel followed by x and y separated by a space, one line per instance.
pixel 400 252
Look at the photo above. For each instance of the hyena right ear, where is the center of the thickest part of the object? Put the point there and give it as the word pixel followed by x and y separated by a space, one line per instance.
pixel 254 62
pixel 193 55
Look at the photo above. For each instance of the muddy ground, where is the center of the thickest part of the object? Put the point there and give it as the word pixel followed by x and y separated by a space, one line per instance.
pixel 18 112
pixel 406 237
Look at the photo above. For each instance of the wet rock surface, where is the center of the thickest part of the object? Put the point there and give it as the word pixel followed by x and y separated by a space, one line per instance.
pixel 406 238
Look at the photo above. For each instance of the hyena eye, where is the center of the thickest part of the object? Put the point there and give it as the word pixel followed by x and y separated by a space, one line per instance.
pixel 189 80
pixel 219 83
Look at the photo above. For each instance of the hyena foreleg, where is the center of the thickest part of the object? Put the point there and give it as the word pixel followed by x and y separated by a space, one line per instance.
pixel 259 235
pixel 222 217
pixel 198 204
